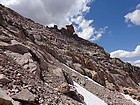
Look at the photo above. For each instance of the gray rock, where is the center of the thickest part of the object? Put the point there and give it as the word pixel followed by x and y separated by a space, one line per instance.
pixel 58 72
pixel 64 88
pixel 4 98
pixel 24 95
pixel 34 49
pixel 3 79
pixel 16 103
pixel 5 39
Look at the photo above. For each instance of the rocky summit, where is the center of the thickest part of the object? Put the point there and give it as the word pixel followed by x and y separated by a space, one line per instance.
pixel 39 65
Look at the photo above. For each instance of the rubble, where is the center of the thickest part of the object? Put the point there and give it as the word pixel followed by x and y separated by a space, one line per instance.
pixel 38 65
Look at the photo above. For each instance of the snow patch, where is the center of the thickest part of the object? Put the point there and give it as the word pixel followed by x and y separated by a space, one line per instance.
pixel 93 81
pixel 89 98
pixel 83 76
pixel 131 99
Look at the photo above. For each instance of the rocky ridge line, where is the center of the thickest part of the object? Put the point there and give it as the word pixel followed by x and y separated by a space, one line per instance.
pixel 29 52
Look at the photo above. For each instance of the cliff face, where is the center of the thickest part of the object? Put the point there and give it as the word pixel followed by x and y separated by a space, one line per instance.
pixel 43 62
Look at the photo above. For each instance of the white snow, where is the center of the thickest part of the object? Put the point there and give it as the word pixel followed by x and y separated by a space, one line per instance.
pixel 89 98
pixel 83 76
pixel 93 81
pixel 130 98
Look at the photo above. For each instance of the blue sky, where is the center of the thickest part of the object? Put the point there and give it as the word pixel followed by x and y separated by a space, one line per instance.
pixel 112 24
pixel 111 13
pixel 121 37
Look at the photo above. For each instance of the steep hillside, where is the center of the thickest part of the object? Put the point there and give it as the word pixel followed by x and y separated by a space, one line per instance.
pixel 38 65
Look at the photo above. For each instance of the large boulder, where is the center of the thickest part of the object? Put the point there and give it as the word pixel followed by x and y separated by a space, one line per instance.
pixel 3 79
pixel 70 28
pixel 6 99
pixel 5 39
pixel 24 96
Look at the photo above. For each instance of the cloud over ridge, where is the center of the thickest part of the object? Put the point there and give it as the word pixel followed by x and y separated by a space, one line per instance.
pixel 126 54
pixel 136 63
pixel 60 12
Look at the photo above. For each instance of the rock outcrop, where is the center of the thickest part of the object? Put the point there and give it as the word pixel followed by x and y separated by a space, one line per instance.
pixel 70 28
pixel 6 99
pixel 43 62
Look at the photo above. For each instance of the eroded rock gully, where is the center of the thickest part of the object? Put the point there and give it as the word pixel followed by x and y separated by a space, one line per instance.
pixel 38 65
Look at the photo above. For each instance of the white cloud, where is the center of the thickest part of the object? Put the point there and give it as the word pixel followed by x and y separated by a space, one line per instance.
pixel 60 12
pixel 7 2
pixel 136 63
pixel 134 17
pixel 85 26
pixel 126 54
pixel 98 34
pixel 138 6
pixel 87 30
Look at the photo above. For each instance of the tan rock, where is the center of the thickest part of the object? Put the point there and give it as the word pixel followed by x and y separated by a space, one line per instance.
pixel 3 79
pixel 58 72
pixel 7 100
pixel 4 98
pixel 78 67
pixel 5 39
pixel 24 95
pixel 64 88
pixel 70 28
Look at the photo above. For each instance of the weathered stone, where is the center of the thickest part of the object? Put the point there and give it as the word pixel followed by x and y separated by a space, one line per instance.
pixel 68 78
pixel 24 59
pixel 64 88
pixel 24 95
pixel 16 103
pixel 78 67
pixel 4 98
pixel 19 48
pixel 5 39
pixel 70 28
pixel 4 79
pixel 29 49
pixel 55 27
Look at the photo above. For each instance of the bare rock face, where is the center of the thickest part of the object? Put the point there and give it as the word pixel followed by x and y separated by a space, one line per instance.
pixel 24 95
pixel 3 79
pixel 6 100
pixel 70 28
pixel 38 65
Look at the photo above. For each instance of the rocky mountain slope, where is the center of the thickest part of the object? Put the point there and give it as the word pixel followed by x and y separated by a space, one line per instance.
pixel 38 66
